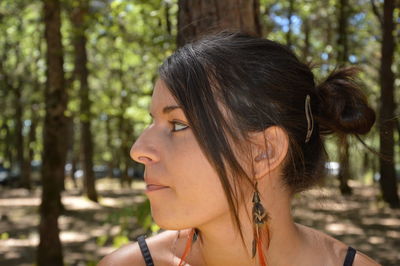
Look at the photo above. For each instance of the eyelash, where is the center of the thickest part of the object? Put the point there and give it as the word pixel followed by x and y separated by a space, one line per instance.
pixel 173 123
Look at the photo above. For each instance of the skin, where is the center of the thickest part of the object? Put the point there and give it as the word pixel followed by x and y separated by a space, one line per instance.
pixel 195 198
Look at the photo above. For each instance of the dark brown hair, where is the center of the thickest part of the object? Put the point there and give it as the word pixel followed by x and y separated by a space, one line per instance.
pixel 261 83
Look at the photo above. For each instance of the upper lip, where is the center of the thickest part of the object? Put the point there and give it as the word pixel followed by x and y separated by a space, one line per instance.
pixel 149 181
pixel 152 184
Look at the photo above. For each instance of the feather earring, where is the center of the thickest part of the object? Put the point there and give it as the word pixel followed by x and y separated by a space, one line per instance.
pixel 192 237
pixel 261 234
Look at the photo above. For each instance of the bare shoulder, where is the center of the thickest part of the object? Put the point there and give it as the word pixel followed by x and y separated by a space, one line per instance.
pixel 333 249
pixel 130 254
pixel 363 260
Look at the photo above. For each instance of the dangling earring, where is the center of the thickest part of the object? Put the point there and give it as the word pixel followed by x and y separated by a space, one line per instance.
pixel 192 237
pixel 260 227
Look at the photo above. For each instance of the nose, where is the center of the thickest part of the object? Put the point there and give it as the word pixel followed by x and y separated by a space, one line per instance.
pixel 143 150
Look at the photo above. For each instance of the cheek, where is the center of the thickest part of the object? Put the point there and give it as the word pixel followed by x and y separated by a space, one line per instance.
pixel 196 175
pixel 197 195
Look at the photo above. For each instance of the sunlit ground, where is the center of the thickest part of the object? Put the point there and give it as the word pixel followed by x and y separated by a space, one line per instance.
pixel 90 230
pixel 362 220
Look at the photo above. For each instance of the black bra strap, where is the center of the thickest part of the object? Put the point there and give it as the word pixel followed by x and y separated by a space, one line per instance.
pixel 348 261
pixel 145 250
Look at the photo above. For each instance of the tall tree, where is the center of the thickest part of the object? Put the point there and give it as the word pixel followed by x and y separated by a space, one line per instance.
pixel 196 17
pixel 54 148
pixel 386 120
pixel 124 127
pixel 307 32
pixel 342 60
pixel 79 19
pixel 289 17
pixel 5 85
pixel 19 112
pixel 14 83
pixel 342 43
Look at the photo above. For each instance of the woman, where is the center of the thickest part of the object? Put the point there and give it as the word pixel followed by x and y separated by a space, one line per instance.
pixel 237 131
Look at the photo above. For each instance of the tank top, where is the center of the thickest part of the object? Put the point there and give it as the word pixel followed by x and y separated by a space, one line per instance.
pixel 348 261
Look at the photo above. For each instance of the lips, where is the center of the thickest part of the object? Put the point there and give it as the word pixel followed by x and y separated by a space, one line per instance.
pixel 153 183
pixel 154 187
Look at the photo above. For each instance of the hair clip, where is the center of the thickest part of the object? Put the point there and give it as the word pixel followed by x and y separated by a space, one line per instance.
pixel 309 116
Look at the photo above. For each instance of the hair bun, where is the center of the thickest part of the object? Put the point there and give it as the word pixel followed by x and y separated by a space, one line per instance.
pixel 343 106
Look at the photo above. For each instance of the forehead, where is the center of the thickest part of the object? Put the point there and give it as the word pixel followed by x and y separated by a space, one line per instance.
pixel 161 96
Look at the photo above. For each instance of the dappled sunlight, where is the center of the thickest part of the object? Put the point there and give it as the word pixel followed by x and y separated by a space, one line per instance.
pixel 12 242
pixel 381 221
pixel 80 226
pixel 376 240
pixel 79 203
pixel 89 230
pixel 74 236
pixel 118 202
pixel 343 228
pixel 359 220
pixel 105 184
pixel 19 202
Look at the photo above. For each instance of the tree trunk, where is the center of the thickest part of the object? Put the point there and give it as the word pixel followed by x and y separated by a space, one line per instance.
pixel 54 148
pixel 168 23
pixel 31 140
pixel 289 33
pixel 366 164
pixel 307 33
pixel 79 17
pixel 342 48
pixel 196 17
pixel 126 147
pixel 329 35
pixel 19 122
pixel 387 170
pixel 7 148
pixel 72 157
pixel 25 181
pixel 7 87
pixel 344 166
pixel 110 146
pixel 124 163
pixel 124 160
pixel 343 143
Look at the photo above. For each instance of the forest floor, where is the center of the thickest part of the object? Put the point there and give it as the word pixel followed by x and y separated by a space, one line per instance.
pixel 91 230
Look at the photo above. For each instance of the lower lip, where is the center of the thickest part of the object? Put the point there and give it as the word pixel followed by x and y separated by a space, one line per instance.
pixel 150 188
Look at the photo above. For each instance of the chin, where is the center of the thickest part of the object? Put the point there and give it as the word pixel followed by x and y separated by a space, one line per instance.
pixel 169 221
pixel 170 225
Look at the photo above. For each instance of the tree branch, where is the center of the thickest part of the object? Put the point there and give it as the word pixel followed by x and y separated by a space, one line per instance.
pixel 376 12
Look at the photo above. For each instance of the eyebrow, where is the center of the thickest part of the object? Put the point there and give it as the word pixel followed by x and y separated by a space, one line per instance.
pixel 168 109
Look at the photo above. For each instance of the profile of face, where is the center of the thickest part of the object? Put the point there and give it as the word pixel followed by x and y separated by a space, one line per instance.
pixel 173 158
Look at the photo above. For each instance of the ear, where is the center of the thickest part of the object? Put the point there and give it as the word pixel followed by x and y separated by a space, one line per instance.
pixel 269 149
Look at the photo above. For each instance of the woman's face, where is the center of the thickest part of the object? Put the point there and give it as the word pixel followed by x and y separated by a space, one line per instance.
pixel 173 158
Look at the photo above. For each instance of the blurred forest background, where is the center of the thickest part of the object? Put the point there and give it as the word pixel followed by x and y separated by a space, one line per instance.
pixel 76 78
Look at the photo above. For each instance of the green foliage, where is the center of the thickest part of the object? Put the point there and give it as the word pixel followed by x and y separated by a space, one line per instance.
pixel 120 240
pixel 101 240
pixel 126 219
pixel 91 263
pixel 364 43
pixel 4 236
pixel 142 214
pixel 127 41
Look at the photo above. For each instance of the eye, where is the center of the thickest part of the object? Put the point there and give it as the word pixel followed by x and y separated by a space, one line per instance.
pixel 177 126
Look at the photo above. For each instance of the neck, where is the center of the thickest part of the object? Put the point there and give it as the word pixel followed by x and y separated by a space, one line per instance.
pixel 220 244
